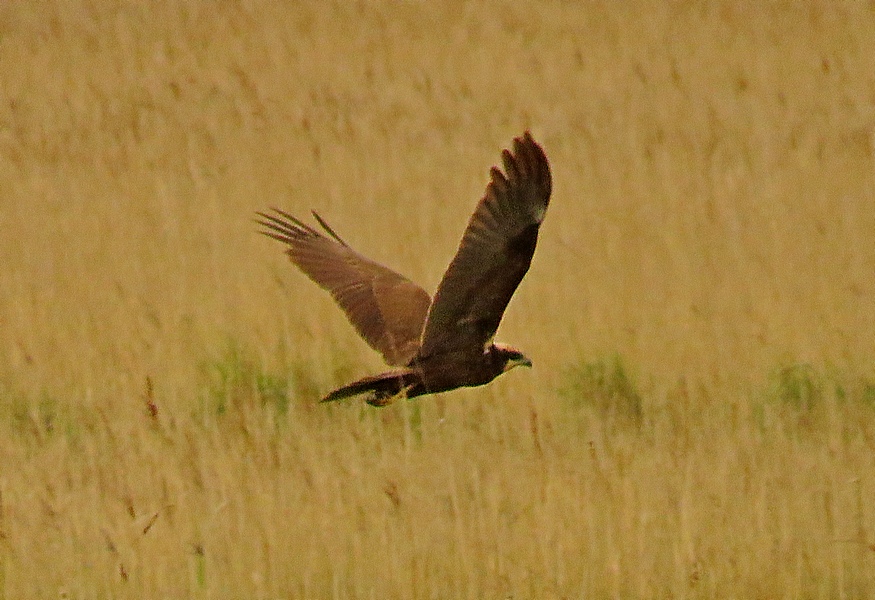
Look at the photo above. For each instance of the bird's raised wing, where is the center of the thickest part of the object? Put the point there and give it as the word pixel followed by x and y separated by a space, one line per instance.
pixel 387 309
pixel 494 254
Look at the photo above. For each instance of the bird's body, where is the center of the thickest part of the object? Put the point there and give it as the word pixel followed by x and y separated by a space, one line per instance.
pixel 446 342
pixel 435 374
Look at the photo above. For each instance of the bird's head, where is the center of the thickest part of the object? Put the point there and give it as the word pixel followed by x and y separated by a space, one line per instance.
pixel 510 357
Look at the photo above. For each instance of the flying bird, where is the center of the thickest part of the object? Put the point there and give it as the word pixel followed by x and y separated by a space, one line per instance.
pixel 441 343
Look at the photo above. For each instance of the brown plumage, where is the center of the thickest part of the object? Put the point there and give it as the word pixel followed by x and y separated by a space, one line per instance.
pixel 444 343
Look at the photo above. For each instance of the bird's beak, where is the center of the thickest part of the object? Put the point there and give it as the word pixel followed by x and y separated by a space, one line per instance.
pixel 517 362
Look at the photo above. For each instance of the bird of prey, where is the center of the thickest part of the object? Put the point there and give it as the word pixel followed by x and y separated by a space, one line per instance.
pixel 441 343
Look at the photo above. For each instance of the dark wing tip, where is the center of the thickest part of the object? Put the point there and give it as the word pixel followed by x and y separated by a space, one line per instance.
pixel 284 227
pixel 511 164
pixel 531 160
pixel 328 228
pixel 526 175
pixel 535 157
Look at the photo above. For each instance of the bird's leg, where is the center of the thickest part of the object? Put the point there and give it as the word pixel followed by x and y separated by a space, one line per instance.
pixel 385 400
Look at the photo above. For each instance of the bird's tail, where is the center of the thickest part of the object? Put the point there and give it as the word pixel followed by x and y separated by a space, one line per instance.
pixel 384 388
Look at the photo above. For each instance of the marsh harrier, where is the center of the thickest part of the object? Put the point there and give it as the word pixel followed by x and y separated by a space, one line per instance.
pixel 442 343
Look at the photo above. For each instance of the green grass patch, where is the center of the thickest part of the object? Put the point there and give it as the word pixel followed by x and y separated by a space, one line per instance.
pixel 38 417
pixel 235 380
pixel 798 386
pixel 603 386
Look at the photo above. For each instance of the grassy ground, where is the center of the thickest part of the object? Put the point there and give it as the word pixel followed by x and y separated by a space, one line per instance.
pixel 700 421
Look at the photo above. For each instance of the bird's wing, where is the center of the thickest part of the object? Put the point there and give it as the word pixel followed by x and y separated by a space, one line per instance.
pixel 387 309
pixel 494 254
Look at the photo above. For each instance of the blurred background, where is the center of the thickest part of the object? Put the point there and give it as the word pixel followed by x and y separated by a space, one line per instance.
pixel 708 248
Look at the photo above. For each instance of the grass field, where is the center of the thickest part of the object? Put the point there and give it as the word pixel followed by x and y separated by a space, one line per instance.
pixel 700 419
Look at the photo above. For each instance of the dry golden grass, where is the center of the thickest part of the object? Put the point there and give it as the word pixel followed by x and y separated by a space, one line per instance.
pixel 712 224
